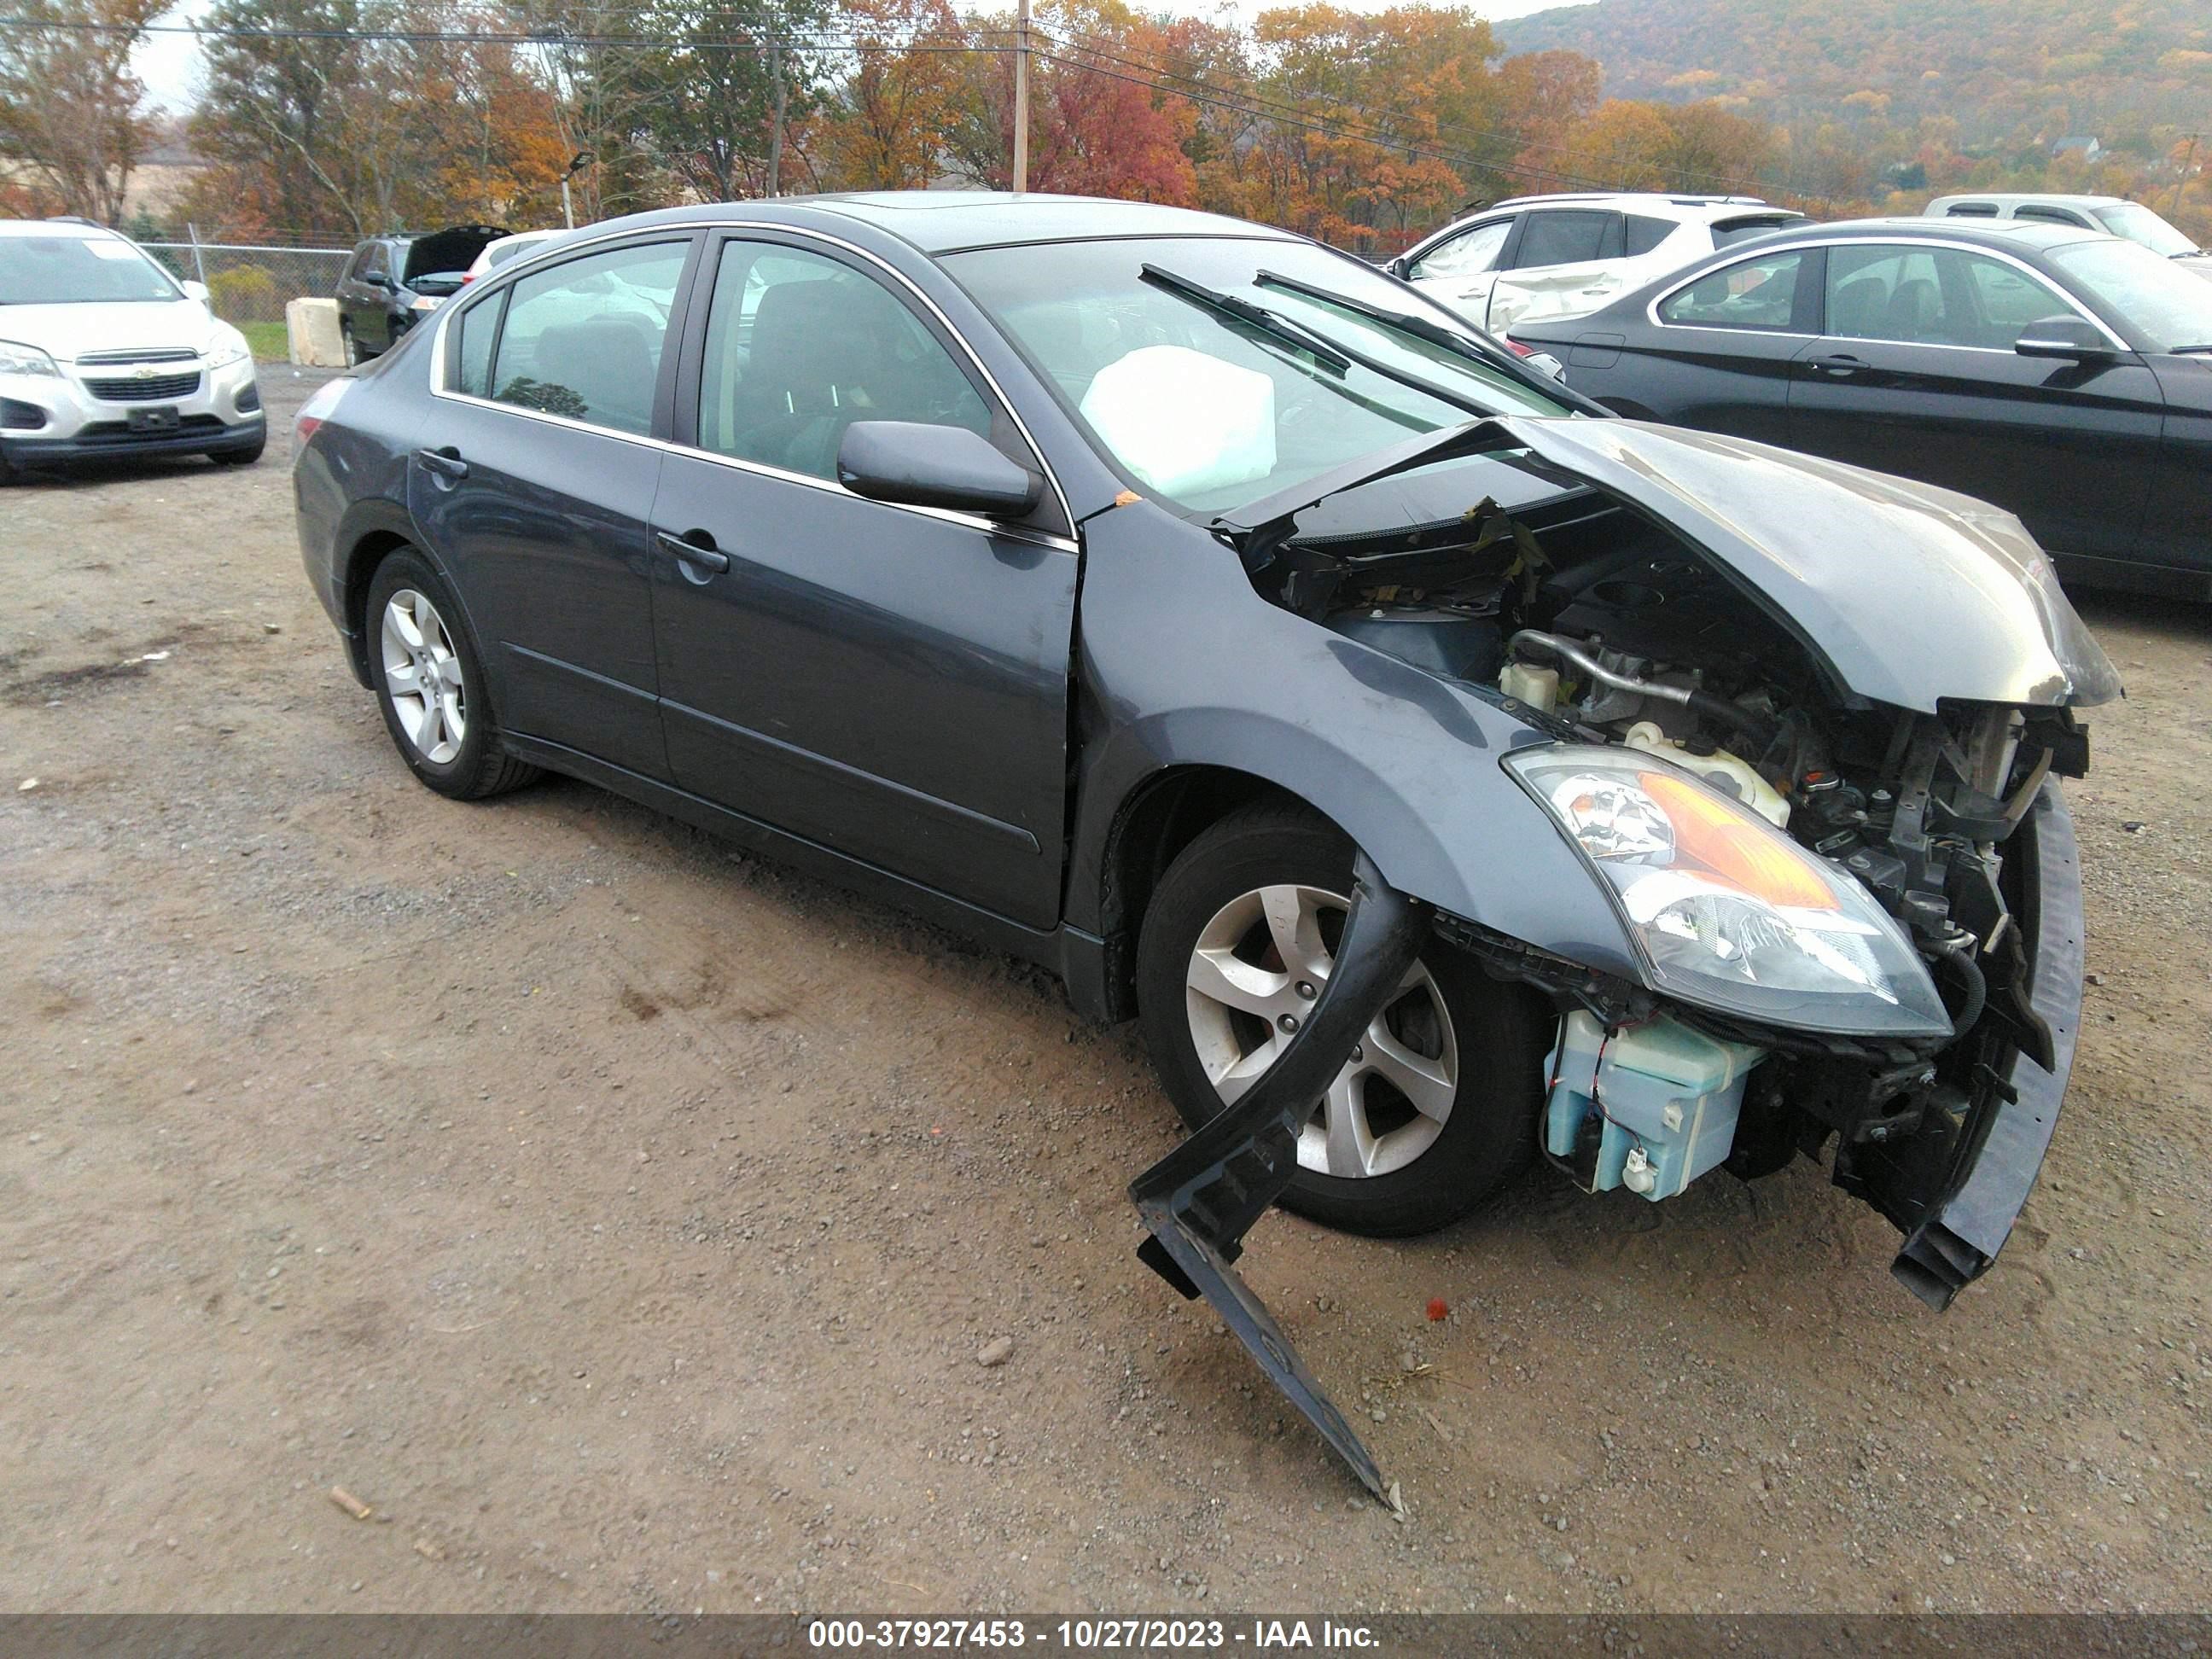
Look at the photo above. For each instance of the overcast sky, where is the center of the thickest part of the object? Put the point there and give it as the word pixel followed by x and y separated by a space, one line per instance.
pixel 169 64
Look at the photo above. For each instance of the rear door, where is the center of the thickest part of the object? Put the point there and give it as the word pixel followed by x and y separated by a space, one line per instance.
pixel 888 682
pixel 534 487
pixel 1915 374
pixel 364 301
pixel 1558 265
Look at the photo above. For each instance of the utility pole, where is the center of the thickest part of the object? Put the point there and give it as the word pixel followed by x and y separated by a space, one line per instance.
pixel 2182 182
pixel 776 127
pixel 1022 98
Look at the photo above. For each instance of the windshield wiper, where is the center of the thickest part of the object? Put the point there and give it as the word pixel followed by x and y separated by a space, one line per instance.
pixel 1280 328
pixel 1404 321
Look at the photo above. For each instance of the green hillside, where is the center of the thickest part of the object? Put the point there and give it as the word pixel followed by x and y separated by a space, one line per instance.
pixel 2006 70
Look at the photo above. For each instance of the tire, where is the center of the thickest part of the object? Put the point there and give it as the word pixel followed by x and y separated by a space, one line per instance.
pixel 353 356
pixel 240 457
pixel 421 639
pixel 1477 1044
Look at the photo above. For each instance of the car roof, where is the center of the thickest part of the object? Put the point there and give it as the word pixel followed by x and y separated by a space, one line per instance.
pixel 56 228
pixel 2034 234
pixel 937 222
pixel 2026 199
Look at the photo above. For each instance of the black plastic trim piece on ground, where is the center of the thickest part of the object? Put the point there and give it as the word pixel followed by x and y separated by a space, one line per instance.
pixel 1201 1199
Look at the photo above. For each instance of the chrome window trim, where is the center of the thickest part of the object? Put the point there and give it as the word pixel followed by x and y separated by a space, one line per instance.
pixel 685 233
pixel 1651 310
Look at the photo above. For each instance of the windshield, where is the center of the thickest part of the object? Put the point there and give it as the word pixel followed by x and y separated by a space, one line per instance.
pixel 2139 224
pixel 65 269
pixel 1212 412
pixel 2161 301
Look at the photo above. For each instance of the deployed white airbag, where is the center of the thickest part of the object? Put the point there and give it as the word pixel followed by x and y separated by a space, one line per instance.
pixel 1183 422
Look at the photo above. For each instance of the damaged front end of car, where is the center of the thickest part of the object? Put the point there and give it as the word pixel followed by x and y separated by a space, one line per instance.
pixel 1802 724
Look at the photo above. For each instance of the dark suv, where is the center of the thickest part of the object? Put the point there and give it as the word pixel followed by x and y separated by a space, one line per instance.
pixel 393 281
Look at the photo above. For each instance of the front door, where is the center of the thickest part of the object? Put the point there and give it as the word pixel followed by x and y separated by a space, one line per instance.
pixel 887 682
pixel 534 484
pixel 1916 375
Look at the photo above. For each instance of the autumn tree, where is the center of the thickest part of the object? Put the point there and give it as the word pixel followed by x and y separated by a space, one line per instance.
pixel 69 116
pixel 885 125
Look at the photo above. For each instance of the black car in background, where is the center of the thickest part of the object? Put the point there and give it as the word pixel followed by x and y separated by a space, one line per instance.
pixel 2059 372
pixel 392 281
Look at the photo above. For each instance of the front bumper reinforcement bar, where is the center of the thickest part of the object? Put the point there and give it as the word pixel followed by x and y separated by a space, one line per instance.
pixel 1200 1200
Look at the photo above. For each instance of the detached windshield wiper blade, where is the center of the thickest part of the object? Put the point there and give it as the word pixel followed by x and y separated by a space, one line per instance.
pixel 1259 318
pixel 1404 321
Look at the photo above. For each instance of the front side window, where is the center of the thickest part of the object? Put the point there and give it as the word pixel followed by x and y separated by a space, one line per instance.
pixel 2139 224
pixel 1757 294
pixel 2054 215
pixel 1464 256
pixel 1567 237
pixel 1211 413
pixel 1883 292
pixel 66 269
pixel 2008 299
pixel 798 347
pixel 584 338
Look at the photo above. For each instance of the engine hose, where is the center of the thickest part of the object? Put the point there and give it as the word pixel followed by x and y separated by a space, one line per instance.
pixel 1961 955
pixel 1699 702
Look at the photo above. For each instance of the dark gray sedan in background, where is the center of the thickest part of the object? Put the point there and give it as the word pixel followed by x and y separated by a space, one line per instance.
pixel 2058 372
pixel 1114 583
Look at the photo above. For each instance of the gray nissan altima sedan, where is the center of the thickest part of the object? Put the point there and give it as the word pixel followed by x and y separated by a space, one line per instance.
pixel 1146 594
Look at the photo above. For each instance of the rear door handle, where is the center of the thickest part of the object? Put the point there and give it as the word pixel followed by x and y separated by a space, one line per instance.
pixel 695 547
pixel 1840 367
pixel 446 463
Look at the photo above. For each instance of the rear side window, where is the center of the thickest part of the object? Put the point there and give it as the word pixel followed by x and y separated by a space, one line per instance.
pixel 584 339
pixel 479 332
pixel 1755 294
pixel 1645 233
pixel 1563 237
pixel 1970 210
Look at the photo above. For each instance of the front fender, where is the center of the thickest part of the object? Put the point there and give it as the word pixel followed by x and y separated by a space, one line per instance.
pixel 1182 664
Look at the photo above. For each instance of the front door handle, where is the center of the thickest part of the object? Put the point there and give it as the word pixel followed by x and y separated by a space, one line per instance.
pixel 694 547
pixel 446 463
pixel 1840 367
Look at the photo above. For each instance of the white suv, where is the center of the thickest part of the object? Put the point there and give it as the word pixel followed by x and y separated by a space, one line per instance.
pixel 1566 255
pixel 104 353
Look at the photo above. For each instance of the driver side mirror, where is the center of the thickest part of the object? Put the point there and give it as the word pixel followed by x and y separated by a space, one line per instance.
pixel 2072 338
pixel 195 291
pixel 1399 266
pixel 914 465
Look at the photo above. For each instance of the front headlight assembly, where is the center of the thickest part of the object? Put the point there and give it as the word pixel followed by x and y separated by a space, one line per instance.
pixel 226 348
pixel 24 360
pixel 1726 910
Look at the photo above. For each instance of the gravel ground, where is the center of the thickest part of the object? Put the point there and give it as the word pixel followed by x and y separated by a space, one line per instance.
pixel 619 1218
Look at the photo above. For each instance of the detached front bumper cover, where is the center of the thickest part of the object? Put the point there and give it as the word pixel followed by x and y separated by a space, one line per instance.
pixel 1961 1235
pixel 1200 1200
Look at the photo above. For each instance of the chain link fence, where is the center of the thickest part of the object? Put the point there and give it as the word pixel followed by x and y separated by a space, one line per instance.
pixel 249 284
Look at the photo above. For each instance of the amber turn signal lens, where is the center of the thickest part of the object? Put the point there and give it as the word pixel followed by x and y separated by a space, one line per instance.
pixel 1734 849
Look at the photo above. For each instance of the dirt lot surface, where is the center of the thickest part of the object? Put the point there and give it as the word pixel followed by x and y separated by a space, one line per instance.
pixel 620 1217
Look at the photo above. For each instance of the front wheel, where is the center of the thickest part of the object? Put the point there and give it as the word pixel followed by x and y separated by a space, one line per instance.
pixel 1436 1106
pixel 430 683
pixel 353 356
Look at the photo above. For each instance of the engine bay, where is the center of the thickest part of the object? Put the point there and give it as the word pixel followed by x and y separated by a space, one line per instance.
pixel 1600 626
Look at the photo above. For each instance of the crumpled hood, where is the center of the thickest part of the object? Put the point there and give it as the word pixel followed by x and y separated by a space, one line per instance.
pixel 63 331
pixel 1911 594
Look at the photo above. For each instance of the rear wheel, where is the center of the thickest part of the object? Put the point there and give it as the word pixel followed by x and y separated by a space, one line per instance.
pixel 430 685
pixel 1435 1108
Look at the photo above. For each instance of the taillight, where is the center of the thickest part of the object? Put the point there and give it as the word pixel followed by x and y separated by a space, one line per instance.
pixel 1517 348
pixel 316 411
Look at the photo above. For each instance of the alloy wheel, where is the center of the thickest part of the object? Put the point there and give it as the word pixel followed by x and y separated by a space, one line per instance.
pixel 423 676
pixel 1254 976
